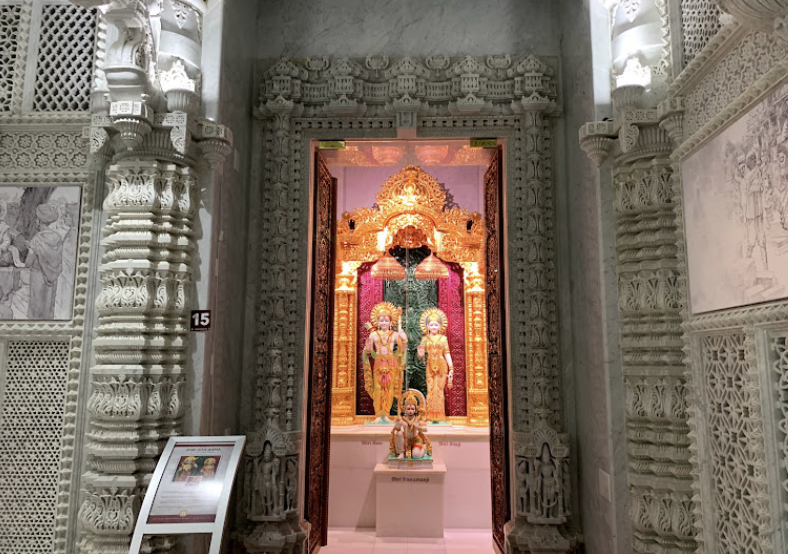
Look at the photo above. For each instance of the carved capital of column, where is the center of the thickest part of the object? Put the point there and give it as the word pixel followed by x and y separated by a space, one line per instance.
pixel 215 142
pixel 671 115
pixel 597 140
pixel 634 134
pixel 132 120
pixel 133 130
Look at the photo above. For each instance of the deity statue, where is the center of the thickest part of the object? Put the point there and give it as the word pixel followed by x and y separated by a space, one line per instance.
pixel 440 369
pixel 388 349
pixel 408 440
pixel 546 472
pixel 266 488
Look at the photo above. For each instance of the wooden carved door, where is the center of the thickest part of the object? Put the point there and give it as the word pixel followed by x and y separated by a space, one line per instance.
pixel 319 408
pixel 499 424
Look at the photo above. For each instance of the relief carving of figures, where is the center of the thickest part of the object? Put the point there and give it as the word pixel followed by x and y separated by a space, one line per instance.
pixel 271 476
pixel 542 486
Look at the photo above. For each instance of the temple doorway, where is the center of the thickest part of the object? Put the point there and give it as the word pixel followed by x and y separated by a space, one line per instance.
pixel 406 323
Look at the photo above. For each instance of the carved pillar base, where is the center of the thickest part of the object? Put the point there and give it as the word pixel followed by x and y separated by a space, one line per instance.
pixel 276 537
pixel 526 538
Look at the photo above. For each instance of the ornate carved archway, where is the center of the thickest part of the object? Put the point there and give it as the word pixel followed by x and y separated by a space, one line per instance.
pixel 439 96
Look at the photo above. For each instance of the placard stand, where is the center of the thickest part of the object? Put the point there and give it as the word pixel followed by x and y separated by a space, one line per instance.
pixel 190 489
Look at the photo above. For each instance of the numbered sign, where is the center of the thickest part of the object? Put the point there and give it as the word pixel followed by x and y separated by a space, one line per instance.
pixel 201 320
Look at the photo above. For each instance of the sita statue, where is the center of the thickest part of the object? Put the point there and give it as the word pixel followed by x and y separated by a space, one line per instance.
pixel 388 348
pixel 408 440
pixel 440 369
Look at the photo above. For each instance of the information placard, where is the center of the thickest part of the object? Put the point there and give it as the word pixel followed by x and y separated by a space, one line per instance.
pixel 190 489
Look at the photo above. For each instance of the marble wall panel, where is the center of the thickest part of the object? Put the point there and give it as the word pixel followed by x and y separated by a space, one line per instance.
pixel 360 27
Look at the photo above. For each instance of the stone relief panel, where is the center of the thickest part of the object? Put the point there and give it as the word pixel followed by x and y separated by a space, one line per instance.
pixel 700 21
pixel 736 206
pixel 39 228
pixel 33 150
pixel 33 387
pixel 736 477
pixel 750 59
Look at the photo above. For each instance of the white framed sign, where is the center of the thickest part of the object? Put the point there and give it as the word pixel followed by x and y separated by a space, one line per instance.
pixel 190 489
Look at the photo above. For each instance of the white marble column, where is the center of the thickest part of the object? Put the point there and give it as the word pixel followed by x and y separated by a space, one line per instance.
pixel 147 135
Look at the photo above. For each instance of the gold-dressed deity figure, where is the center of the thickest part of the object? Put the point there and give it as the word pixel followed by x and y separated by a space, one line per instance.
pixel 440 369
pixel 388 349
pixel 408 439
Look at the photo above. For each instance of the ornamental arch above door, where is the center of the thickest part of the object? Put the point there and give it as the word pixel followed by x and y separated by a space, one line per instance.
pixel 439 96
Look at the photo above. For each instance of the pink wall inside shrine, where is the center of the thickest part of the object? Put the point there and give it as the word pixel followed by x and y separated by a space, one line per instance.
pixel 357 186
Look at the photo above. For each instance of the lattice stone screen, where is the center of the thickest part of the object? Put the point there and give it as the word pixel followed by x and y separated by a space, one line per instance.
pixel 9 40
pixel 780 352
pixel 700 21
pixel 65 59
pixel 735 444
pixel 33 381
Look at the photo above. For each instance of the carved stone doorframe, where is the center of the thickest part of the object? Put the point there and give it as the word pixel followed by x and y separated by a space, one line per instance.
pixel 438 98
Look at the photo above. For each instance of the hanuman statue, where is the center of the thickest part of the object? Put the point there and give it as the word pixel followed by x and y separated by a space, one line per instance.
pixel 388 349
pixel 408 440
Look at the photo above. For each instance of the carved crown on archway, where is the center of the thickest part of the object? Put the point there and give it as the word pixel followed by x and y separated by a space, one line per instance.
pixel 410 212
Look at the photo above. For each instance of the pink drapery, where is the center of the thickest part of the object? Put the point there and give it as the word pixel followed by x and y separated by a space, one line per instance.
pixel 452 301
pixel 370 292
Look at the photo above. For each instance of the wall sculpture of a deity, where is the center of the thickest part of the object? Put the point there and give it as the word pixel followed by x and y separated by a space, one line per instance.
pixel 410 307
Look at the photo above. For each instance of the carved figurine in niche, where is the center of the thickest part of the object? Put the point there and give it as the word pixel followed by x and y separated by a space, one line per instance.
pixel 440 369
pixel 291 477
pixel 387 348
pixel 549 486
pixel 408 440
pixel 266 487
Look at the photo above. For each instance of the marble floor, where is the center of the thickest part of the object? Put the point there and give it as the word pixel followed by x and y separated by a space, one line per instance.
pixel 360 541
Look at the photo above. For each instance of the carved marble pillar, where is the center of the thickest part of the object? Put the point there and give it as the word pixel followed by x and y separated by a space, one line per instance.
pixel 140 349
pixel 541 451
pixel 149 141
pixel 651 297
pixel 276 528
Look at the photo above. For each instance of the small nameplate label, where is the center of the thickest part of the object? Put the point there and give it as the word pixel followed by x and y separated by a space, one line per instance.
pixel 331 144
pixel 484 143
pixel 371 443
pixel 455 444
pixel 410 479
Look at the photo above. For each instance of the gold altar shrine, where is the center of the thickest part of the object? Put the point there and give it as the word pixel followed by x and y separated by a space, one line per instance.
pixel 411 213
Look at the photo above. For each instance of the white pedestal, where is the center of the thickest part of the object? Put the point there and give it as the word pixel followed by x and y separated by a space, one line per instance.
pixel 409 503
pixel 466 492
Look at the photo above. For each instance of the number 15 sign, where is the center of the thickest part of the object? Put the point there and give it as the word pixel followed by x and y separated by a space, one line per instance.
pixel 201 320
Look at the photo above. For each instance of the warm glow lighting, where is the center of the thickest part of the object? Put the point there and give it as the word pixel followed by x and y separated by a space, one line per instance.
pixel 432 154
pixel 387 155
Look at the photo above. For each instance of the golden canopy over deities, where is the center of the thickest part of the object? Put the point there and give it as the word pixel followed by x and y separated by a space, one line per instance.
pixel 411 199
